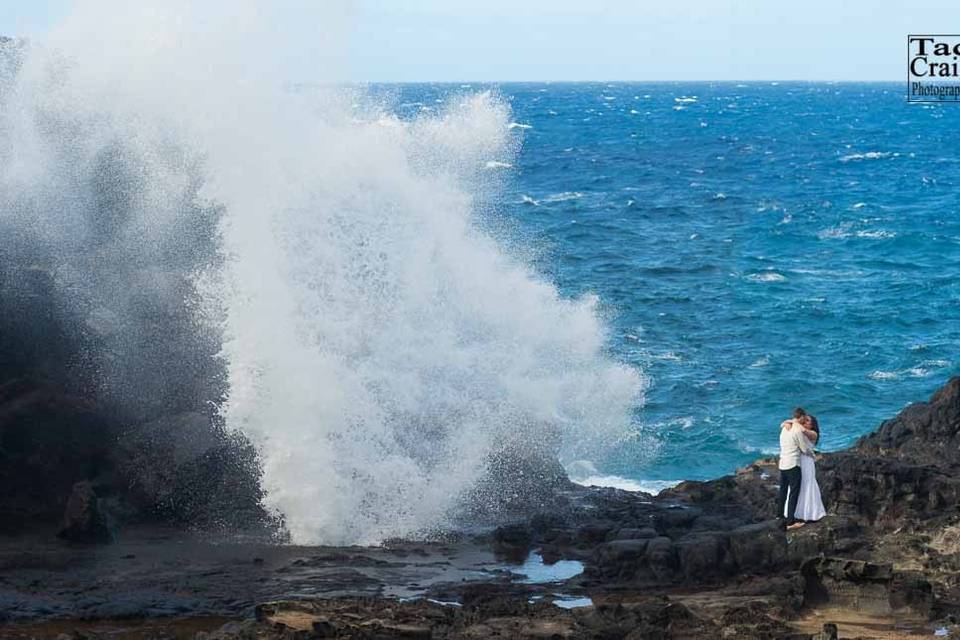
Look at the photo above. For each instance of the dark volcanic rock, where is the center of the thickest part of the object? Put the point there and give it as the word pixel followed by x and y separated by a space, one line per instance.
pixel 925 433
pixel 185 468
pixel 491 617
pixel 512 542
pixel 880 489
pixel 49 440
pixel 84 519
pixel 182 469
pixel 875 589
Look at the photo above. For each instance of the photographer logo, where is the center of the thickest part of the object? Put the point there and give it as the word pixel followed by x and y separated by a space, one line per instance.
pixel 933 68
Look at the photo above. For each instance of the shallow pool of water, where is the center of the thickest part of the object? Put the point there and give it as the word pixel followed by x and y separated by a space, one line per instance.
pixel 535 571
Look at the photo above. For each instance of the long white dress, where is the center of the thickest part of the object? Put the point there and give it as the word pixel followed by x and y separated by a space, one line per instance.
pixel 809 502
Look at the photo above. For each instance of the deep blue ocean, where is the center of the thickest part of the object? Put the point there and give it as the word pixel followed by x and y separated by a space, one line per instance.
pixel 756 246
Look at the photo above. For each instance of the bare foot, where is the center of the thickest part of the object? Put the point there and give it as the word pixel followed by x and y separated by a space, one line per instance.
pixel 796 525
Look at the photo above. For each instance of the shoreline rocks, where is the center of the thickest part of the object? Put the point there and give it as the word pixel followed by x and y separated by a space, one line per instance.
pixel 700 560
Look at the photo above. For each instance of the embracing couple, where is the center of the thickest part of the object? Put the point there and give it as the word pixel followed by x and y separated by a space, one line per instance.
pixel 800 500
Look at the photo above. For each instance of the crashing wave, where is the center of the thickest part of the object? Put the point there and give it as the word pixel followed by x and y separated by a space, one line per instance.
pixel 382 351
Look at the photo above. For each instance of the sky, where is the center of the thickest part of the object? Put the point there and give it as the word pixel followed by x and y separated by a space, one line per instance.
pixel 601 40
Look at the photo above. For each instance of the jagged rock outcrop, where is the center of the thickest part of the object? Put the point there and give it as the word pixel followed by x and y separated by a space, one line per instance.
pixel 49 440
pixel 884 546
pixel 924 433
pixel 182 469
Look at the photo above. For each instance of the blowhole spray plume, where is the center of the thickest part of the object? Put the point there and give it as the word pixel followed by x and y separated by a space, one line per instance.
pixel 379 347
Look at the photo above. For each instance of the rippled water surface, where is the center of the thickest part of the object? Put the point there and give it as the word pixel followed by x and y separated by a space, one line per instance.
pixel 755 246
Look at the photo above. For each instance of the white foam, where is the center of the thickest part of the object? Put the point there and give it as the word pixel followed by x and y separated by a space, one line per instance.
pixel 869 155
pixel 379 345
pixel 878 234
pixel 835 233
pixel 584 473
pixel 517 125
pixel 652 487
pixel 767 276
pixel 563 196
pixel 922 370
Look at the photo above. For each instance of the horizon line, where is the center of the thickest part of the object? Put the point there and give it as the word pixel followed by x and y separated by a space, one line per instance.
pixel 601 82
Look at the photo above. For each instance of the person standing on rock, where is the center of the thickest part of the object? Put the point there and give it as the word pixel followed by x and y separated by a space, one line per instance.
pixel 810 504
pixel 793 444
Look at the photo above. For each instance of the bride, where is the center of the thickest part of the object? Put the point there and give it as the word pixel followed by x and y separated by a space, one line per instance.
pixel 810 504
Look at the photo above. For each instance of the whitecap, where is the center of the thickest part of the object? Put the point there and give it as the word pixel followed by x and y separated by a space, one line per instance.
pixel 767 276
pixel 869 155
pixel 833 233
pixel 884 375
pixel 683 422
pixel 685 99
pixel 668 356
pixel 496 164
pixel 563 196
pixel 876 235
pixel 760 362
pixel 517 125
pixel 525 199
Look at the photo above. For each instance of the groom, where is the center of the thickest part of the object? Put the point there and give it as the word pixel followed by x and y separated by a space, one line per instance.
pixel 792 444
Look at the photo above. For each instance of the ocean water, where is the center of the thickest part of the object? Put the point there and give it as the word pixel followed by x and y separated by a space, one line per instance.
pixel 755 246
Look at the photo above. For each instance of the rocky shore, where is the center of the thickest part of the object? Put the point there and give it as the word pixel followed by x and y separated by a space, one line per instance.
pixel 701 560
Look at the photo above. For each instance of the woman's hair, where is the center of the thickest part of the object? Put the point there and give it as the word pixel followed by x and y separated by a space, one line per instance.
pixel 799 412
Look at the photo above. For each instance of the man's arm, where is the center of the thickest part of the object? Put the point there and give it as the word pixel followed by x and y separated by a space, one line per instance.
pixel 802 441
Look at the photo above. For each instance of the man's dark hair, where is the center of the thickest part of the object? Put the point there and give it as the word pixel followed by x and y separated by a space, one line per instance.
pixel 799 412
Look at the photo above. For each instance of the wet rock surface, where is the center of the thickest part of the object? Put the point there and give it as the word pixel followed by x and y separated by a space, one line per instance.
pixel 701 560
